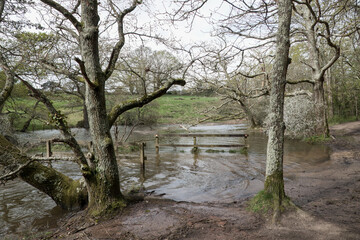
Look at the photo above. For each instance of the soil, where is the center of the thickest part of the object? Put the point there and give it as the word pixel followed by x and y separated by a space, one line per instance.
pixel 327 194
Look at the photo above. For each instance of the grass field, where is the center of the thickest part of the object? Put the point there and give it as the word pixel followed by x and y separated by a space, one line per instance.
pixel 168 109
pixel 183 109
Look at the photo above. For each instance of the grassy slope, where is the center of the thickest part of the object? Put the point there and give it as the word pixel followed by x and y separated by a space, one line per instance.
pixel 167 109
pixel 183 109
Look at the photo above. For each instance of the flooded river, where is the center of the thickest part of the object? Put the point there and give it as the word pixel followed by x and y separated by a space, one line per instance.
pixel 174 173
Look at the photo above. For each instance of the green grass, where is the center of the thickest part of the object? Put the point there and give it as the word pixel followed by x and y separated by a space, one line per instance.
pixel 168 109
pixel 317 139
pixel 340 119
pixel 183 109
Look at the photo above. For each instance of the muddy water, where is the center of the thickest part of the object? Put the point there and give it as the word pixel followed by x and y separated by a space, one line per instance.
pixel 175 173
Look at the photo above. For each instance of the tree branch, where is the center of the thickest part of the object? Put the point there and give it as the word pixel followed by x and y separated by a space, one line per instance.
pixel 301 81
pixel 59 121
pixel 83 72
pixel 118 46
pixel 65 13
pixel 139 102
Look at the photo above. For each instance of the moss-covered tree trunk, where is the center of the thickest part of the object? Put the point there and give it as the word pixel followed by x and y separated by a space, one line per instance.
pixel 103 178
pixel 100 169
pixel 274 182
pixel 67 193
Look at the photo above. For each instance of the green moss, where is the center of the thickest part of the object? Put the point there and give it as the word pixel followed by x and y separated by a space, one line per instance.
pixel 243 150
pixel 317 139
pixel 214 151
pixel 195 150
pixel 272 200
pixel 261 203
pixel 108 210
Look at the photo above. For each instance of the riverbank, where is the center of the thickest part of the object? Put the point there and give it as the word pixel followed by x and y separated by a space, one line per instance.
pixel 328 195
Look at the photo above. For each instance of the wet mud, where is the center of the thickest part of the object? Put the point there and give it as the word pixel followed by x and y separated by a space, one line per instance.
pixel 328 195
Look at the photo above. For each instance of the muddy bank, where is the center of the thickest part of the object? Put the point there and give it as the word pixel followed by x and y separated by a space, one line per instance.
pixel 328 194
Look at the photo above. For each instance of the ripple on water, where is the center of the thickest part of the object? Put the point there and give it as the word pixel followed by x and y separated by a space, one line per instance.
pixel 180 175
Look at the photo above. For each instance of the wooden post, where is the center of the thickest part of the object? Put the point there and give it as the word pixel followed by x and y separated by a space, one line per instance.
pixel 195 148
pixel 48 148
pixel 157 145
pixel 142 155
pixel 245 140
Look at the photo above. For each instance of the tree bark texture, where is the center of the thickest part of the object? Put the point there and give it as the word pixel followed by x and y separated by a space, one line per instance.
pixel 9 83
pixel 100 168
pixel 103 182
pixel 318 70
pixel 274 182
pixel 317 76
pixel 67 193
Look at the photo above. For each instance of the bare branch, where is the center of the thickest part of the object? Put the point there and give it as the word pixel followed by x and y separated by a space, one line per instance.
pixel 14 174
pixel 59 120
pixel 68 15
pixel 118 46
pixel 83 72
pixel 139 102
pixel 301 81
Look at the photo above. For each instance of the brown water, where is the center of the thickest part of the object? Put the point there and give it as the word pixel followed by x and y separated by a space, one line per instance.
pixel 175 173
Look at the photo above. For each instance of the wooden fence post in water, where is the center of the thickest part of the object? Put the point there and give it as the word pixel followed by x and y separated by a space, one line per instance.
pixel 195 148
pixel 48 148
pixel 157 144
pixel 142 155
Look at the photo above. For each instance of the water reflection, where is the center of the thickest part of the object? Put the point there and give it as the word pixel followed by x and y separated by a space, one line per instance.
pixel 175 173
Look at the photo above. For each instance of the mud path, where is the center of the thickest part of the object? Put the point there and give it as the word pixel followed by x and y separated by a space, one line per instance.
pixel 328 194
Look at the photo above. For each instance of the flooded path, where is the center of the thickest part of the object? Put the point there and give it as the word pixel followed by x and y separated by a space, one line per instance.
pixel 176 173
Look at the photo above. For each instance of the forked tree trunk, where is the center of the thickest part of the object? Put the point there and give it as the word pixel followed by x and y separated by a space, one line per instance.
pixel 318 70
pixel 274 181
pixel 103 178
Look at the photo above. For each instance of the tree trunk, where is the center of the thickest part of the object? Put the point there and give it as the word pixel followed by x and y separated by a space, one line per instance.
pixel 274 182
pixel 9 83
pixel 318 71
pixel 248 113
pixel 103 179
pixel 67 193
pixel 85 117
pixel 104 185
pixel 329 84
pixel 320 108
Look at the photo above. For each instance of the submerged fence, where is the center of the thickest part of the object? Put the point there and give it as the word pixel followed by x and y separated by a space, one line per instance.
pixel 195 146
